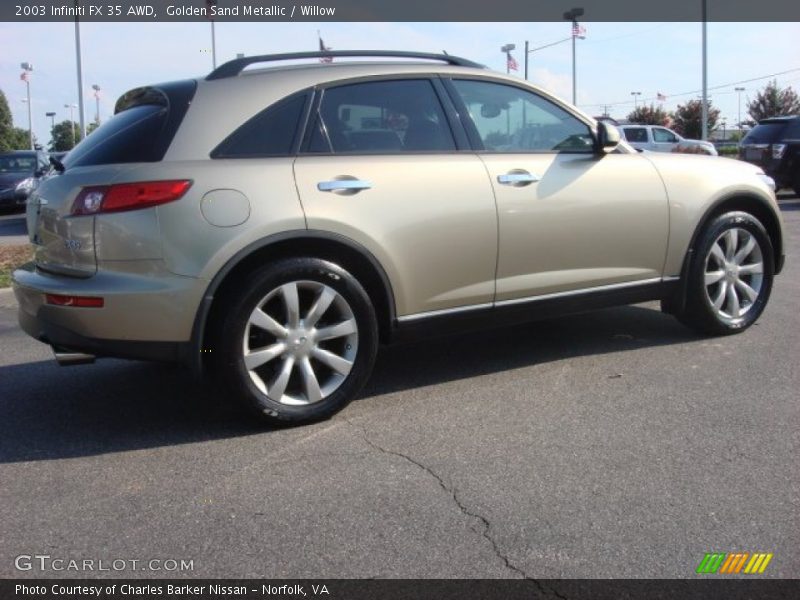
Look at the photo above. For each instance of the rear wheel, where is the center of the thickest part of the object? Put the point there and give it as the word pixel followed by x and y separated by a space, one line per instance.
pixel 299 343
pixel 730 276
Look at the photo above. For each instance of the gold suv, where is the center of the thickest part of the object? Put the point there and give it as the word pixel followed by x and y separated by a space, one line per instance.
pixel 274 225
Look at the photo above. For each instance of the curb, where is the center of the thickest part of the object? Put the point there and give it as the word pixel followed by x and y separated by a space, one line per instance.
pixel 7 298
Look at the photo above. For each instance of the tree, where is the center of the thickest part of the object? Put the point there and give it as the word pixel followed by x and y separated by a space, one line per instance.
pixel 91 127
pixel 11 138
pixel 773 101
pixel 63 136
pixel 688 119
pixel 649 115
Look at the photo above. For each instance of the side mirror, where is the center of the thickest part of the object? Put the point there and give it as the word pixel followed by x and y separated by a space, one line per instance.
pixel 607 136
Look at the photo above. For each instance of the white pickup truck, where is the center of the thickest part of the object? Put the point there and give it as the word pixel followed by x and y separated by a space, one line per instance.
pixel 661 139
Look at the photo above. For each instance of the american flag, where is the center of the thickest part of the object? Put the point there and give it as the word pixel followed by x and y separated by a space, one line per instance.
pixel 323 48
pixel 661 97
pixel 578 30
pixel 511 62
pixel 24 76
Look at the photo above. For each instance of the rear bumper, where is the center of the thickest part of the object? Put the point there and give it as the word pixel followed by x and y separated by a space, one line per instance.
pixel 146 317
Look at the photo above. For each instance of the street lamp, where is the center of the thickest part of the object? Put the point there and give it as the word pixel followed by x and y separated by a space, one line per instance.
pixel 635 97
pixel 27 68
pixel 52 116
pixel 739 91
pixel 96 89
pixel 71 120
pixel 532 50
pixel 572 15
pixel 507 51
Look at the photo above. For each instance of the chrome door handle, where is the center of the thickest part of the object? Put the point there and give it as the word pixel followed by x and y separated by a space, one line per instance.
pixel 344 185
pixel 517 178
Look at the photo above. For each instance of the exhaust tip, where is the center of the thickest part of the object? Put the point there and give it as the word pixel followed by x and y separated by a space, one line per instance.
pixel 68 358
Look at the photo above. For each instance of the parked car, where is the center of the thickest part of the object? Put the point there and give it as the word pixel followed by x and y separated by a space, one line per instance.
pixel 774 145
pixel 661 139
pixel 19 172
pixel 272 226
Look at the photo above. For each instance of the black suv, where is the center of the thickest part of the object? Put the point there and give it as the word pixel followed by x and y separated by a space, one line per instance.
pixel 774 145
pixel 15 167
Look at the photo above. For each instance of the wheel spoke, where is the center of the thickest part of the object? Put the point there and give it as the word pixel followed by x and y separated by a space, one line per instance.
pixel 731 241
pixel 720 299
pixel 713 277
pixel 748 291
pixel 339 330
pixel 718 253
pixel 337 363
pixel 310 382
pixel 292 302
pixel 745 251
pixel 752 269
pixel 261 319
pixel 255 359
pixel 734 308
pixel 278 387
pixel 321 304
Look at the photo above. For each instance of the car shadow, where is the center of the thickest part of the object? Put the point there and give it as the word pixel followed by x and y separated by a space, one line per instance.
pixel 49 412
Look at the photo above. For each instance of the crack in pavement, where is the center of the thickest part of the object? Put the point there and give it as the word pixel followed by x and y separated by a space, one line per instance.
pixel 452 492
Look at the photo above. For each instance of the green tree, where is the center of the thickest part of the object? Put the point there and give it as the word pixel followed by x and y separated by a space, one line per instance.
pixel 11 138
pixel 773 101
pixel 688 118
pixel 91 127
pixel 62 136
pixel 649 115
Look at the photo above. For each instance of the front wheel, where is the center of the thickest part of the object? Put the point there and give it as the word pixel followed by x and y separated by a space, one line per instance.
pixel 300 341
pixel 730 276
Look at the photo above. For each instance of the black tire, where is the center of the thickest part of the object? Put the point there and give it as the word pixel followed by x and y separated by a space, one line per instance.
pixel 265 290
pixel 700 312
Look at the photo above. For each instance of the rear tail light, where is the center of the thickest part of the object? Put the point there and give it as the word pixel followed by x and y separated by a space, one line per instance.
pixel 79 301
pixel 128 196
pixel 778 150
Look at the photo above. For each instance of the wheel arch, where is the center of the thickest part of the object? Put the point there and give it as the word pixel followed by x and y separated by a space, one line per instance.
pixel 748 203
pixel 343 251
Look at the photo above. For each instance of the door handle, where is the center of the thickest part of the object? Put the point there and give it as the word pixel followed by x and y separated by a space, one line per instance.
pixel 351 186
pixel 517 178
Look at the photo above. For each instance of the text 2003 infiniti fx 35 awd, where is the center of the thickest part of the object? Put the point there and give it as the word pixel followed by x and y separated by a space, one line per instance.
pixel 273 225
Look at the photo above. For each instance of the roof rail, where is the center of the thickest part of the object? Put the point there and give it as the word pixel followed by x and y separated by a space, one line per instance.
pixel 233 67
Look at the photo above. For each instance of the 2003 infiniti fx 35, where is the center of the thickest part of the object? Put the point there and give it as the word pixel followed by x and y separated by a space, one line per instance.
pixel 273 225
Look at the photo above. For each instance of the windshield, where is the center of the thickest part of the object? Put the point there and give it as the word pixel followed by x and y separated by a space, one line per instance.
pixel 765 133
pixel 17 164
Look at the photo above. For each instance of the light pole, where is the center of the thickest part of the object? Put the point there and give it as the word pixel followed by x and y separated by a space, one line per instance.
pixel 27 68
pixel 96 89
pixel 635 98
pixel 572 15
pixel 532 50
pixel 209 4
pixel 739 91
pixel 71 120
pixel 704 112
pixel 52 116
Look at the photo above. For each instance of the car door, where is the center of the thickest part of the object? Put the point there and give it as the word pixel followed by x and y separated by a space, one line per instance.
pixel 569 218
pixel 383 166
pixel 664 140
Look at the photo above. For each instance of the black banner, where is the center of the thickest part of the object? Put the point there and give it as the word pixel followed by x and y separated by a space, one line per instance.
pixel 407 10
pixel 527 589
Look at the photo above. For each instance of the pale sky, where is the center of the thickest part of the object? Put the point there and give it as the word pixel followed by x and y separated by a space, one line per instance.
pixel 614 59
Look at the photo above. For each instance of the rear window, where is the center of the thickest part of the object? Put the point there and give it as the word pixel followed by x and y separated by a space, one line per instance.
pixel 765 133
pixel 140 131
pixel 17 164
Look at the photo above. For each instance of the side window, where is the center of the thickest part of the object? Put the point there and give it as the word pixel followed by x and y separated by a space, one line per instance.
pixel 635 134
pixel 510 119
pixel 382 117
pixel 270 133
pixel 664 135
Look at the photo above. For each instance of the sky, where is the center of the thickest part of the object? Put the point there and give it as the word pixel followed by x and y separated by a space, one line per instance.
pixel 614 60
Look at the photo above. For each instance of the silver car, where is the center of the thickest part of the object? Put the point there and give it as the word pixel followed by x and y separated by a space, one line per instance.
pixel 661 139
pixel 273 226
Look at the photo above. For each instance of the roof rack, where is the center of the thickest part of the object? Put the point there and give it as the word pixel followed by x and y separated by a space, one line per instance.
pixel 233 67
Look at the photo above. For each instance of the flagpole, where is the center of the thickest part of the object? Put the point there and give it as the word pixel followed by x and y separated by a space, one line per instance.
pixel 80 72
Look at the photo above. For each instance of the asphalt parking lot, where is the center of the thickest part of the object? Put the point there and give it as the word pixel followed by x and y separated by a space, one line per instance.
pixel 610 444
